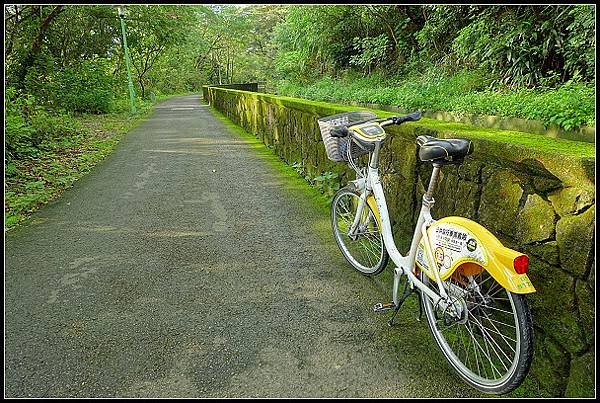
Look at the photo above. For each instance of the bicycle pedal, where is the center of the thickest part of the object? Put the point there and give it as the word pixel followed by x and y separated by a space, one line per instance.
pixel 379 307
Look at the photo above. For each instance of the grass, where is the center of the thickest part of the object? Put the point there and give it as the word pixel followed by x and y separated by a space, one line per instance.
pixel 569 106
pixel 35 180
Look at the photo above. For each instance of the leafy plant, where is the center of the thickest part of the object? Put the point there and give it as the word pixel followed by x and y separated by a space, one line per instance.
pixel 570 106
pixel 327 183
pixel 85 87
pixel 371 51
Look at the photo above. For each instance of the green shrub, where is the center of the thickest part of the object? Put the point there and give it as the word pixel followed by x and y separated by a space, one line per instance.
pixel 468 91
pixel 40 81
pixel 18 131
pixel 86 87
pixel 29 127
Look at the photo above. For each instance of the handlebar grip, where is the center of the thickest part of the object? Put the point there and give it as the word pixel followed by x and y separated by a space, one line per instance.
pixel 411 117
pixel 339 131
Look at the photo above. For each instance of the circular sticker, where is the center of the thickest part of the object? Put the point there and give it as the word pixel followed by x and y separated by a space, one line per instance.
pixel 471 244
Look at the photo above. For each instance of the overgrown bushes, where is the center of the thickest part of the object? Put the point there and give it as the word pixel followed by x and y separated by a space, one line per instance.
pixel 85 87
pixel 569 106
pixel 29 127
pixel 519 45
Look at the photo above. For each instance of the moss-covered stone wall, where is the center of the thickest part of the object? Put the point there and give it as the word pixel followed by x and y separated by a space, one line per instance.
pixel 536 194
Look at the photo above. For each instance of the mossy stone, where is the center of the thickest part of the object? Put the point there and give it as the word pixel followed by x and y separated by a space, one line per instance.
pixel 535 220
pixel 592 277
pixel 470 170
pixel 587 309
pixel 574 235
pixel 548 252
pixel 571 200
pixel 456 197
pixel 582 377
pixel 553 305
pixel 500 199
pixel 550 365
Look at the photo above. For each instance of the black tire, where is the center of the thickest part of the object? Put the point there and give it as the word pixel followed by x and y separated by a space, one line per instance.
pixel 495 306
pixel 367 252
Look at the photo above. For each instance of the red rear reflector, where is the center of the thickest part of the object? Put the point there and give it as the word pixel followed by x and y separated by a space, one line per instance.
pixel 521 264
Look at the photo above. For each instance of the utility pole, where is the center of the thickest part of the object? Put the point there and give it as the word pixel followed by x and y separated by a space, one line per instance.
pixel 127 62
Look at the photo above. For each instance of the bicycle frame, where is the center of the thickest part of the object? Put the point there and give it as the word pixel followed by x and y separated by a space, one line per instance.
pixel 370 188
pixel 371 185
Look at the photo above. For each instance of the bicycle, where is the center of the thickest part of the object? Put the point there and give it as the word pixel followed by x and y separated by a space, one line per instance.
pixel 471 287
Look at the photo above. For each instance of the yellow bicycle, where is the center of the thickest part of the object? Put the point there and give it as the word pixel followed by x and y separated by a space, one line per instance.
pixel 471 287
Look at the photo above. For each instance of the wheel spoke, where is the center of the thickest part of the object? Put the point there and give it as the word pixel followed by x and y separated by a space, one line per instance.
pixel 487 355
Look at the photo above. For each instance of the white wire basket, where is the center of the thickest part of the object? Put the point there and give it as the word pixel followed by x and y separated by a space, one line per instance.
pixel 343 148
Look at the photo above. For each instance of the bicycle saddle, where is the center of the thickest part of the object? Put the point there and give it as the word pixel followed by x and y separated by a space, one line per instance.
pixel 443 150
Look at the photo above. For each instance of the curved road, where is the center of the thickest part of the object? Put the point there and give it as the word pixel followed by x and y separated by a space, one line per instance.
pixel 184 265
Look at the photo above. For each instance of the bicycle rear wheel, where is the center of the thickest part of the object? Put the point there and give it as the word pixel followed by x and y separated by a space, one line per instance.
pixel 491 345
pixel 365 249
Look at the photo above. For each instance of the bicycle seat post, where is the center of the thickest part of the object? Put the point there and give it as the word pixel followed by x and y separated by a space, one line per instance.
pixel 432 183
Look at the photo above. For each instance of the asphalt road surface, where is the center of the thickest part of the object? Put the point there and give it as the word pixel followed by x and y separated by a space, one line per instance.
pixel 182 266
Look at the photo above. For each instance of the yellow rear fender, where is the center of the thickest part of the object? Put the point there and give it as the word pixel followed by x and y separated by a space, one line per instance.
pixel 457 243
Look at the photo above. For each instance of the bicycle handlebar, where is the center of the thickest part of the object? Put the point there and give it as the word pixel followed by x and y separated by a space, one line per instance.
pixel 342 131
pixel 398 120
pixel 339 131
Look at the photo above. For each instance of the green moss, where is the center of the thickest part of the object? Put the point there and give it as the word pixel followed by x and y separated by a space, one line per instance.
pixel 549 368
pixel 548 252
pixel 501 217
pixel 574 235
pixel 571 200
pixel 587 310
pixel 536 220
pixel 553 305
pixel 581 380
pixel 570 147
pixel 571 161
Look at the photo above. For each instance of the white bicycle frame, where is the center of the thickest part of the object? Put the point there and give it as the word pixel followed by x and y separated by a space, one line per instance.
pixel 371 184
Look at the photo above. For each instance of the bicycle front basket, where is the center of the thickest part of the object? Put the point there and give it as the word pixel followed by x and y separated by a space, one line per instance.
pixel 334 146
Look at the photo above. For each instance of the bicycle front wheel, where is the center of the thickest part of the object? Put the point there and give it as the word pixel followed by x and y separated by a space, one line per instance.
pixel 486 334
pixel 364 249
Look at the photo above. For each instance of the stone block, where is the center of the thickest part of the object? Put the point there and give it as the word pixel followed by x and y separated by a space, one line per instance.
pixel 582 377
pixel 574 235
pixel 587 310
pixel 571 200
pixel 548 252
pixel 553 305
pixel 500 200
pixel 550 366
pixel 470 170
pixel 535 220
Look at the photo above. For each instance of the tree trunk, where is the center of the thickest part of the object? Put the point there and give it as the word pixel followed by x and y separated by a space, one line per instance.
pixel 143 90
pixel 37 41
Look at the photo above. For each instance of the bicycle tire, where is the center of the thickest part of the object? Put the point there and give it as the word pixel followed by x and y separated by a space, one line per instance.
pixel 373 256
pixel 522 355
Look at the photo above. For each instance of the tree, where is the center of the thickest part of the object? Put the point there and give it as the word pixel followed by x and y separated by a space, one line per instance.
pixel 151 31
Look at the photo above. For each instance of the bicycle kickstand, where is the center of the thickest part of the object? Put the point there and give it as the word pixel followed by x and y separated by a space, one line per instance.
pixel 420 315
pixel 407 291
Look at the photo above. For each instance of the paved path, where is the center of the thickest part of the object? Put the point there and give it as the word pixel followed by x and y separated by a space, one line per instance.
pixel 155 276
